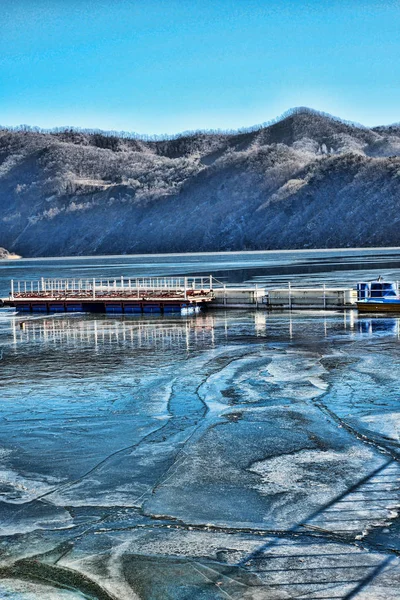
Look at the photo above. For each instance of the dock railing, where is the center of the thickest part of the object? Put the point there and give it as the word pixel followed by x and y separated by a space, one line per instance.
pixel 323 296
pixel 119 287
pixel 284 296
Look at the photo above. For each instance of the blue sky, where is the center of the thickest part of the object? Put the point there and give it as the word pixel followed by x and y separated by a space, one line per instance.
pixel 163 66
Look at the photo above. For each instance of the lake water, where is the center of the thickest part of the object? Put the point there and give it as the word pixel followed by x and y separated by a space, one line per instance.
pixel 343 267
pixel 239 454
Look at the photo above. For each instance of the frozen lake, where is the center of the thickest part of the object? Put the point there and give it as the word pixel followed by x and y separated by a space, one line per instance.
pixel 236 454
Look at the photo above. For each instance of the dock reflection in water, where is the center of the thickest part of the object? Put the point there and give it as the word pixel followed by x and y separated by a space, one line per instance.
pixel 180 331
pixel 379 325
pixel 139 332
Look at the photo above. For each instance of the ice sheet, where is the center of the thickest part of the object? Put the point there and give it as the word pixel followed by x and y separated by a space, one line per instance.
pixel 236 455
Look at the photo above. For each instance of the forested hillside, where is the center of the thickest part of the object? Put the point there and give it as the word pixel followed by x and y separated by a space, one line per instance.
pixel 306 181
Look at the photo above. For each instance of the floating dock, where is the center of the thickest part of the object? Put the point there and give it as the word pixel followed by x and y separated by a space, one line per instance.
pixel 166 295
pixel 140 295
pixel 284 298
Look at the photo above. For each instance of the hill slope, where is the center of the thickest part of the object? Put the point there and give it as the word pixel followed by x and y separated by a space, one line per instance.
pixel 306 181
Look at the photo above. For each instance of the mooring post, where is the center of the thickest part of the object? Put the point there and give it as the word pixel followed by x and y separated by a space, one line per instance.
pixel 324 297
pixel 290 295
pixel 210 283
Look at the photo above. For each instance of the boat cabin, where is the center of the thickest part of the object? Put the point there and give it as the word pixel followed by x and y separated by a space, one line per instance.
pixel 376 289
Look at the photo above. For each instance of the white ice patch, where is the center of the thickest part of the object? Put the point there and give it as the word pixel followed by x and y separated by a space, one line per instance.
pixel 17 489
pixel 375 502
pixel 297 374
pixel 384 424
pixel 348 492
pixel 24 590
pixel 212 390
pixel 311 471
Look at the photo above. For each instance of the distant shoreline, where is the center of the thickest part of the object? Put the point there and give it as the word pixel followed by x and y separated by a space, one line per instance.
pixel 217 253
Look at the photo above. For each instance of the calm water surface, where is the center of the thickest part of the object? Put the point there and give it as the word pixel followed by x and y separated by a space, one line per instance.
pixel 269 268
pixel 234 454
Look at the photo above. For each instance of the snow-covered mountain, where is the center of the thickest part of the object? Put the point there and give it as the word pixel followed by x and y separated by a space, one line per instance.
pixel 308 180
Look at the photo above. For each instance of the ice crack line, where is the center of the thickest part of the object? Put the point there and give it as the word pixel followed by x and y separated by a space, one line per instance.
pixel 360 436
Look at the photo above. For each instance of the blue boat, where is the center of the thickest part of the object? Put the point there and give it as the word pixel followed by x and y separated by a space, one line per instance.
pixel 378 296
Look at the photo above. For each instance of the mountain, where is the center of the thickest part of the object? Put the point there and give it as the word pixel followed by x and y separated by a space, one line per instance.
pixel 306 181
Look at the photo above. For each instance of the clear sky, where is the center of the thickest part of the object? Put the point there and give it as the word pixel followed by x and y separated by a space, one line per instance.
pixel 163 66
